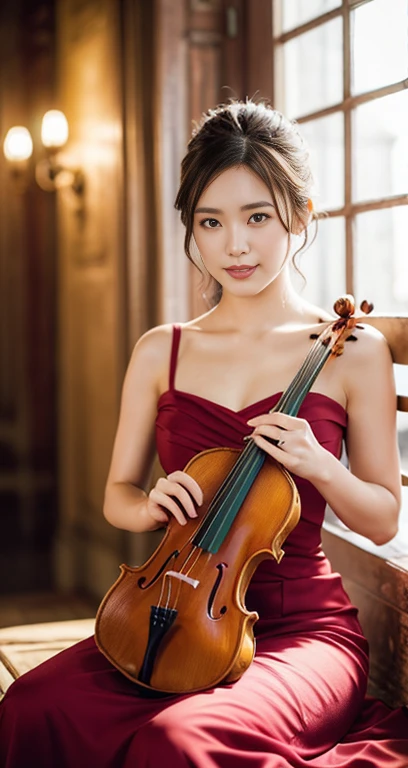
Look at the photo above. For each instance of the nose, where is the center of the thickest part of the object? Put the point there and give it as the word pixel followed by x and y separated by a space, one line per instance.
pixel 237 243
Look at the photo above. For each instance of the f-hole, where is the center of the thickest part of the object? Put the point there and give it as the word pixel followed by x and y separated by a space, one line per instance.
pixel 220 568
pixel 141 582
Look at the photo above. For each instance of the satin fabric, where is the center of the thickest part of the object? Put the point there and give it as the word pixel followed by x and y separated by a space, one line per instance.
pixel 302 701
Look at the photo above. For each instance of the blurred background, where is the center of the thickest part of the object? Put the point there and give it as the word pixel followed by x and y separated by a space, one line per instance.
pixel 97 102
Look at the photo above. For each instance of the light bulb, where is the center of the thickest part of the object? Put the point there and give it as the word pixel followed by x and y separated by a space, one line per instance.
pixel 54 129
pixel 18 144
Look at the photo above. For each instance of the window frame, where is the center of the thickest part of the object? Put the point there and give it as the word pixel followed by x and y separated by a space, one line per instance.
pixel 350 209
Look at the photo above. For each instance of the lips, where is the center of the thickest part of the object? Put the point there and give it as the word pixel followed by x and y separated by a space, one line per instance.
pixel 240 266
pixel 242 271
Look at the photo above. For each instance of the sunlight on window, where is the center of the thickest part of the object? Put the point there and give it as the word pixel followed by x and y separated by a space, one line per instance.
pixel 313 70
pixel 323 264
pixel 379 44
pixel 312 79
pixel 325 139
pixel 297 12
pixel 380 130
pixel 381 271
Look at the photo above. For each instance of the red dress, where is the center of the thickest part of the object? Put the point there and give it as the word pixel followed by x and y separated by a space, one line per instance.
pixel 302 701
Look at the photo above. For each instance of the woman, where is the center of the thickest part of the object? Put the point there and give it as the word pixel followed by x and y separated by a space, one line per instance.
pixel 244 196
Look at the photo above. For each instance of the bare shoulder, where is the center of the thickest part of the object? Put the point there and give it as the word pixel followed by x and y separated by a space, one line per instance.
pixel 369 342
pixel 366 360
pixel 154 343
pixel 151 354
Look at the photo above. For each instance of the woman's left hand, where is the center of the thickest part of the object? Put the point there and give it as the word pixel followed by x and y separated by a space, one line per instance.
pixel 298 450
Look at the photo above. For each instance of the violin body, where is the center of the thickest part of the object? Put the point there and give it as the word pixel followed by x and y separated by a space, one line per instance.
pixel 178 624
pixel 210 639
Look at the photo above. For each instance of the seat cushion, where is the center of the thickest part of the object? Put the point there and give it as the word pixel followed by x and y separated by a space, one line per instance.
pixel 23 647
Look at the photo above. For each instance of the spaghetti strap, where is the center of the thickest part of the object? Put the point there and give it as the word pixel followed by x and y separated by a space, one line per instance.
pixel 174 353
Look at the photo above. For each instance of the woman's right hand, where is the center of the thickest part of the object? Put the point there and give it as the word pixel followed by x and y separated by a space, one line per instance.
pixel 174 495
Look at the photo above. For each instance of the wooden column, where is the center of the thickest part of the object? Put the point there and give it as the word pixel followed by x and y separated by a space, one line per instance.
pixel 92 331
pixel 170 104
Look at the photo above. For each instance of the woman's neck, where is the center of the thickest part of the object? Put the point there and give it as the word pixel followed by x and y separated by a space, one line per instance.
pixel 277 305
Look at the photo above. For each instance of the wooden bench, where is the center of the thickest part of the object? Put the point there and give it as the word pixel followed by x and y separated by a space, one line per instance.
pixel 378 586
pixel 22 648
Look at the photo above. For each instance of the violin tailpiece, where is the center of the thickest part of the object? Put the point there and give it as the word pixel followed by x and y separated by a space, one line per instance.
pixel 161 619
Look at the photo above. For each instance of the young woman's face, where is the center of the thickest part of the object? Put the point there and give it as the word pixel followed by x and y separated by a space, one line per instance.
pixel 238 233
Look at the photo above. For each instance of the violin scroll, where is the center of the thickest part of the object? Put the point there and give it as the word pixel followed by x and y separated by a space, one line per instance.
pixel 366 307
pixel 344 306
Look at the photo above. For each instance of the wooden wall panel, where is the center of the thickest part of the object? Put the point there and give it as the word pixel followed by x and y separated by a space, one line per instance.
pixel 141 215
pixel 92 308
pixel 258 71
pixel 27 308
pixel 235 50
pixel 247 68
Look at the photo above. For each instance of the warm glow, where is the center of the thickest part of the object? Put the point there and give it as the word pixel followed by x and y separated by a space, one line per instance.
pixel 54 130
pixel 18 144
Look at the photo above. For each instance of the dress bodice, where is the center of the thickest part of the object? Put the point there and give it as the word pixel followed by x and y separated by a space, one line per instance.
pixel 187 424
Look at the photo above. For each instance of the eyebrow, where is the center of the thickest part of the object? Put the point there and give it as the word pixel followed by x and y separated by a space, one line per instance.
pixel 247 207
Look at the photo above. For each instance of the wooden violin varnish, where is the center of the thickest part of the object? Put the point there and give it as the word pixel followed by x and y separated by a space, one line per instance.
pixel 178 623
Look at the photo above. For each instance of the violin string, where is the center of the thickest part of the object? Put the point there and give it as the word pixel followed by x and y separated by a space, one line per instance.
pixel 313 353
pixel 180 571
pixel 248 466
pixel 252 452
pixel 196 548
pixel 199 553
pixel 309 364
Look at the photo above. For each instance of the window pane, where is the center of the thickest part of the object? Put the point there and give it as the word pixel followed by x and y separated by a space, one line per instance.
pixel 381 266
pixel 381 147
pixel 401 379
pixel 381 276
pixel 313 69
pixel 379 44
pixel 323 265
pixel 296 12
pixel 325 138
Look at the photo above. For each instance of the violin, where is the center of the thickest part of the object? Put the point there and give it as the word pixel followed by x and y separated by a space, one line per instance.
pixel 178 624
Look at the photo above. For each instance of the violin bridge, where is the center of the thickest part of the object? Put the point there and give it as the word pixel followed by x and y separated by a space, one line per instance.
pixel 193 582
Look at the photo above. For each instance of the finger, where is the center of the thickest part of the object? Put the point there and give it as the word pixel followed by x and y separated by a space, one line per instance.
pixel 182 497
pixel 271 432
pixel 289 422
pixel 188 482
pixel 169 504
pixel 155 509
pixel 274 451
pixel 282 420
pixel 158 513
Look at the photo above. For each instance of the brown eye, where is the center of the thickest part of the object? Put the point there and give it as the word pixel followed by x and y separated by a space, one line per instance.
pixel 260 217
pixel 212 223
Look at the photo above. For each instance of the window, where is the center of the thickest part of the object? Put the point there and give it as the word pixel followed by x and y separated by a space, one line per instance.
pixel 341 71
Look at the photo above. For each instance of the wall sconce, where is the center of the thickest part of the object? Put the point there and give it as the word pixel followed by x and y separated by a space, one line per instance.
pixel 49 173
pixel 18 148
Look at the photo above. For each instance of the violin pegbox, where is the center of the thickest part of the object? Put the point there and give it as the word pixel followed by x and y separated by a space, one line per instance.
pixel 343 328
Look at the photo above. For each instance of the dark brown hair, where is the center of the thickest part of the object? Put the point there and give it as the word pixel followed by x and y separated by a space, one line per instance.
pixel 251 134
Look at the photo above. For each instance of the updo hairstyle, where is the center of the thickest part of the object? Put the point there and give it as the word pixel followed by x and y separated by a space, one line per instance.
pixel 251 134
